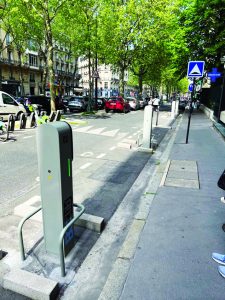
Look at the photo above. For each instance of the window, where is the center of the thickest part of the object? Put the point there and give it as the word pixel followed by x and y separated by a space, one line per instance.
pixel 8 100
pixel 10 56
pixel 33 60
pixel 32 77
pixel 106 85
pixel 7 39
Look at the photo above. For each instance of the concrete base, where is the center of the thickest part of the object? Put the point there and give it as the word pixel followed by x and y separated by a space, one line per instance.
pixel 90 222
pixel 30 285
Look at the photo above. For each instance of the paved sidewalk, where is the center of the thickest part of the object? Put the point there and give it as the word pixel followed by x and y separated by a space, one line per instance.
pixel 173 257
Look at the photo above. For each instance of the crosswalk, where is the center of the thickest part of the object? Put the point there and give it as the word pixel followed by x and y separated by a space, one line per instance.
pixel 100 131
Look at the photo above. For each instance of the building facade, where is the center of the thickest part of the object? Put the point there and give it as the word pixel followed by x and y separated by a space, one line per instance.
pixel 23 73
pixel 108 79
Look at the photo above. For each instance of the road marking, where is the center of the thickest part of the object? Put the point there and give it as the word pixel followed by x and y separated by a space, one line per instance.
pixel 101 155
pixel 83 129
pixel 97 131
pixel 85 166
pixel 87 154
pixel 37 179
pixel 28 137
pixel 121 135
pixel 111 133
pixel 112 148
pixel 130 137
pixel 10 141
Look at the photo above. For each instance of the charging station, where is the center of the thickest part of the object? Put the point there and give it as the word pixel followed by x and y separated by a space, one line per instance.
pixel 55 156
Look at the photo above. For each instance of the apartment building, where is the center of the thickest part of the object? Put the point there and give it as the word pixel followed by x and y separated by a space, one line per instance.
pixel 108 79
pixel 22 73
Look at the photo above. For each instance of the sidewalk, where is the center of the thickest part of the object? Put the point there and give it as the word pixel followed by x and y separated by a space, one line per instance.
pixel 183 228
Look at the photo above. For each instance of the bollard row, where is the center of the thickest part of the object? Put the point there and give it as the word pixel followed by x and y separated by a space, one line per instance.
pixel 33 120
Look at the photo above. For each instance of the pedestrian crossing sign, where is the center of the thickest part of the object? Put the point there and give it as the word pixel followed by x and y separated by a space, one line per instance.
pixel 195 68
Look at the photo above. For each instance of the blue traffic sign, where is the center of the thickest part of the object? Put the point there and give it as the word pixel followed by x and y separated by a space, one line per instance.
pixel 195 68
pixel 214 74
pixel 190 88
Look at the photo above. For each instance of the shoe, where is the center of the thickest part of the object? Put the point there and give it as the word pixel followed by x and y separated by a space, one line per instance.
pixel 222 199
pixel 220 258
pixel 221 270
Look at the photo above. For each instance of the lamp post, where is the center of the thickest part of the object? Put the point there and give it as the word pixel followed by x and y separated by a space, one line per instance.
pixel 221 95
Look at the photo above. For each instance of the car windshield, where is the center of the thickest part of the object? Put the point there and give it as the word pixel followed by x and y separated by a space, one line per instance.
pixel 76 99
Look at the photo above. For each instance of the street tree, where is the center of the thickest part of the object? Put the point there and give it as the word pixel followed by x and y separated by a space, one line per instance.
pixel 41 17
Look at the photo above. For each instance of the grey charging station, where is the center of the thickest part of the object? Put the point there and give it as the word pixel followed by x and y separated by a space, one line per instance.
pixel 55 155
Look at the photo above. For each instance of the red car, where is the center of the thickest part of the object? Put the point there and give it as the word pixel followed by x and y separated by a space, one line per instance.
pixel 117 104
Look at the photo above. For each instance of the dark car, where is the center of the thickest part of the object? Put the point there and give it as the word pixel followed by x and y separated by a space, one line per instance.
pixel 77 103
pixel 101 103
pixel 66 100
pixel 43 103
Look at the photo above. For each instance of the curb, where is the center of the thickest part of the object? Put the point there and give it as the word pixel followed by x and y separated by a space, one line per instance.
pixel 117 277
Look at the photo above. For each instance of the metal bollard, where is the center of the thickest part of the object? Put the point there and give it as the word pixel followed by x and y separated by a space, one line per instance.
pixel 52 116
pixel 11 123
pixel 32 120
pixel 23 121
pixel 58 116
pixel 147 127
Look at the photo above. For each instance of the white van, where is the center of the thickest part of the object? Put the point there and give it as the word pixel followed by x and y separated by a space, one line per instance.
pixel 8 105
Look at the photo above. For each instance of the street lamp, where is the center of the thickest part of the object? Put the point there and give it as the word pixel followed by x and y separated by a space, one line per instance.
pixel 222 59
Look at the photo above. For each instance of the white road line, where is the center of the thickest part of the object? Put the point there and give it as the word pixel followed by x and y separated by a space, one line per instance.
pixel 97 131
pixel 101 155
pixel 85 166
pixel 130 137
pixel 3 143
pixel 111 133
pixel 83 129
pixel 28 137
pixel 112 148
pixel 87 154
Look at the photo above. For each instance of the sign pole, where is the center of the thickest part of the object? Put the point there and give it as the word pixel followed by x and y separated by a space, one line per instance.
pixel 190 111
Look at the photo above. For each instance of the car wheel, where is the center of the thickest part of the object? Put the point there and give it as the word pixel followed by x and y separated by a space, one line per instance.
pixel 106 110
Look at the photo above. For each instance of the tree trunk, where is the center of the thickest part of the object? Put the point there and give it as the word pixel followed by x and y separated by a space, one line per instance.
pixel 50 63
pixel 121 81
pixel 140 83
pixel 21 74
pixel 90 82
pixel 44 76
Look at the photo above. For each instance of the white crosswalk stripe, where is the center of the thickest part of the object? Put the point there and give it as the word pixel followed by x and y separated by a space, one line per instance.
pixel 83 129
pixel 111 133
pixel 96 131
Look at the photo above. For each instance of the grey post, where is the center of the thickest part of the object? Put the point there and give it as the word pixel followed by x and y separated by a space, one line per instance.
pixel 147 126
pixel 173 104
pixel 176 107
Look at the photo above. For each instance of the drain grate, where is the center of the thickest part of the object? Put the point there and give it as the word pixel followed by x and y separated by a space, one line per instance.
pixel 2 254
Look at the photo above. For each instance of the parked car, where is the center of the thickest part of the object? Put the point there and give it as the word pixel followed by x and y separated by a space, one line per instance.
pixel 101 102
pixel 133 102
pixel 77 103
pixel 66 99
pixel 8 105
pixel 143 101
pixel 43 103
pixel 117 104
